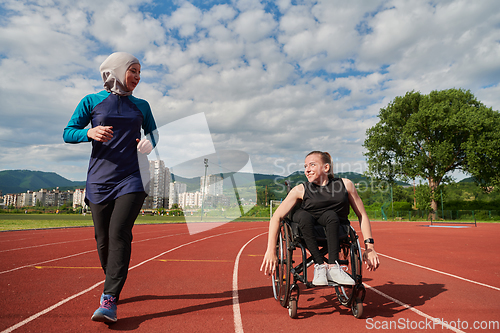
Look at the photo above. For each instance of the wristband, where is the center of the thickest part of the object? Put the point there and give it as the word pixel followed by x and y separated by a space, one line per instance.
pixel 369 241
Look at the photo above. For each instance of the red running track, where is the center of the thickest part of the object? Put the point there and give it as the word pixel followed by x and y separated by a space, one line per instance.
pixel 430 279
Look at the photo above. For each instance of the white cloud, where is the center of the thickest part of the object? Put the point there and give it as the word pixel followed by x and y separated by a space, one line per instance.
pixel 323 35
pixel 71 161
pixel 183 141
pixel 218 15
pixel 248 5
pixel 254 25
pixel 441 46
pixel 296 20
pixel 123 28
pixel 185 19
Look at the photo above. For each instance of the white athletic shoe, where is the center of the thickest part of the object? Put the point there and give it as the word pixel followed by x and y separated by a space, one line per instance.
pixel 338 275
pixel 320 275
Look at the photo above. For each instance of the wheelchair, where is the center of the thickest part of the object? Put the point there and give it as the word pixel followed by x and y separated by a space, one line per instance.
pixel 288 273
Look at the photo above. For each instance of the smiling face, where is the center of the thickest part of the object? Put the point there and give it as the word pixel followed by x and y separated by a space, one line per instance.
pixel 316 171
pixel 132 77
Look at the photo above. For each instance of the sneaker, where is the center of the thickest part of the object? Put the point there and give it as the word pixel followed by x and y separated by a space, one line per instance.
pixel 320 275
pixel 336 274
pixel 106 313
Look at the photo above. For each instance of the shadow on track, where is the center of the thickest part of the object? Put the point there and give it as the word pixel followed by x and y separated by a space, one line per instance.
pixel 225 299
pixel 414 295
pixel 375 305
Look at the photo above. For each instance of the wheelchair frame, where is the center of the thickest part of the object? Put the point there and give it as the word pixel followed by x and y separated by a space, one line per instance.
pixel 287 274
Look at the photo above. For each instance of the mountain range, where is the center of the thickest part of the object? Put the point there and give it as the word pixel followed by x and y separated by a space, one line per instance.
pixel 19 181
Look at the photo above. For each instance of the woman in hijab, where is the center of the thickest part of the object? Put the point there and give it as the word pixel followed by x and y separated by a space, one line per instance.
pixel 115 189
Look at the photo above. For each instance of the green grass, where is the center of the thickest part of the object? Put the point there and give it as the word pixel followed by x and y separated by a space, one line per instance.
pixel 43 221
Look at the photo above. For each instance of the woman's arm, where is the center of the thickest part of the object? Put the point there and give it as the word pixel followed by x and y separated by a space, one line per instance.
pixel 76 130
pixel 269 262
pixel 144 146
pixel 148 123
pixel 370 257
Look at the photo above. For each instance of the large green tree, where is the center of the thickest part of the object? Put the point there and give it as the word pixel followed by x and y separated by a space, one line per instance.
pixel 429 136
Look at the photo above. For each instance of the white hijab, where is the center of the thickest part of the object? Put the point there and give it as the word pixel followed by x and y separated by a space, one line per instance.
pixel 113 71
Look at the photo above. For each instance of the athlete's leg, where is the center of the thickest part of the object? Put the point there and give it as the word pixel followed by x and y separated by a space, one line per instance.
pixel 330 220
pixel 306 224
pixel 125 211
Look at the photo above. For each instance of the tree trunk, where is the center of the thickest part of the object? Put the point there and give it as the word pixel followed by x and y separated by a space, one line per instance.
pixel 433 184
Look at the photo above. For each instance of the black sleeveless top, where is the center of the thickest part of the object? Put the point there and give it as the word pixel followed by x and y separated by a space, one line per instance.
pixel 333 196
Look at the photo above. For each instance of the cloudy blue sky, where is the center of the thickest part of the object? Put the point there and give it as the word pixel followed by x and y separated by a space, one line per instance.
pixel 274 79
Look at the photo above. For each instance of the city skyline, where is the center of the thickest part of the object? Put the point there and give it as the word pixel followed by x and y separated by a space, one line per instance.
pixel 162 191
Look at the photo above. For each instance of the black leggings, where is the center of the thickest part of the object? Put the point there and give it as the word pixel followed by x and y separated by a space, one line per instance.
pixel 331 222
pixel 113 222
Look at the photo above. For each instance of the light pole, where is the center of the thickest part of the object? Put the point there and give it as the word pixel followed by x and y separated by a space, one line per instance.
pixel 204 187
pixel 442 205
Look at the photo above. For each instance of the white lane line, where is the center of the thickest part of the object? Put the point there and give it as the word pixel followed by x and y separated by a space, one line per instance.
pixel 436 321
pixel 15 240
pixel 44 262
pixel 35 316
pixel 47 310
pixel 42 245
pixel 238 325
pixel 440 272
pixel 77 254
pixel 58 243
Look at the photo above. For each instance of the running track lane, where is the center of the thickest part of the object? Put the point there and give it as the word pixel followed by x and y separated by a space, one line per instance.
pixel 427 275
pixel 400 291
pixel 192 278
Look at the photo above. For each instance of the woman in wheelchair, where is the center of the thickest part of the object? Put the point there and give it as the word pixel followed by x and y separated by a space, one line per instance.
pixel 325 200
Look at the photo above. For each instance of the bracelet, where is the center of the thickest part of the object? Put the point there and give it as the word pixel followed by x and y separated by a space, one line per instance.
pixel 369 241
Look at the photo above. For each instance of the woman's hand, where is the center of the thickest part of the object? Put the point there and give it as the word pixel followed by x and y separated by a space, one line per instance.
pixel 269 263
pixel 100 133
pixel 370 258
pixel 144 146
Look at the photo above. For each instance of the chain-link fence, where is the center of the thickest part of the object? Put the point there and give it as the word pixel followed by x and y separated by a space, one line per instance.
pixel 440 215
pixel 405 215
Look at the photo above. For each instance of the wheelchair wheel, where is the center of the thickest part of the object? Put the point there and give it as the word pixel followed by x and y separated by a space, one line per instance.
pixel 357 301
pixel 283 275
pixel 357 308
pixel 349 254
pixel 276 278
pixel 344 292
pixel 292 307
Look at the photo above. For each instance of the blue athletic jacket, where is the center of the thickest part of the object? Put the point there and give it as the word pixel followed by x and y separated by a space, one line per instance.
pixel 113 167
